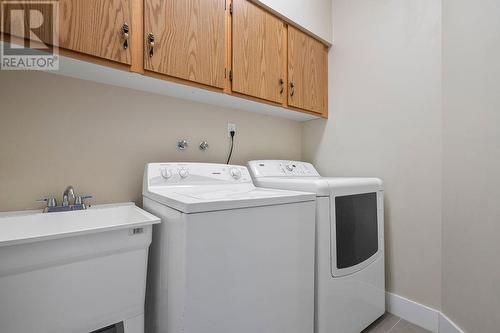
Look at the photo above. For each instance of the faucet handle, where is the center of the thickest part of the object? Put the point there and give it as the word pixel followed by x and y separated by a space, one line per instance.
pixel 51 202
pixel 79 199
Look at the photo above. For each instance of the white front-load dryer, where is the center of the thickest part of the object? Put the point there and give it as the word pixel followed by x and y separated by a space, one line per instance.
pixel 349 262
pixel 228 257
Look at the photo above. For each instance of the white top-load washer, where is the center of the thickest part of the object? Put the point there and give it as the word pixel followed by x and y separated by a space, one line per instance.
pixel 228 257
pixel 350 288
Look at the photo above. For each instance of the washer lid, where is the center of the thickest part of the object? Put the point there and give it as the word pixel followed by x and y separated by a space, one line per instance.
pixel 196 199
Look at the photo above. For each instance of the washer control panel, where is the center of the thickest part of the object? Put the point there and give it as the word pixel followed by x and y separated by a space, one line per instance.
pixel 195 173
pixel 281 168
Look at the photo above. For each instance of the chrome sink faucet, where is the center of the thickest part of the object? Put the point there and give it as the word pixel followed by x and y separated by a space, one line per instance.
pixel 68 196
pixel 70 202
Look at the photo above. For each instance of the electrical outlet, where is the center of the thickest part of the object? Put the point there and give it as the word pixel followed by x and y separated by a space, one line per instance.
pixel 230 128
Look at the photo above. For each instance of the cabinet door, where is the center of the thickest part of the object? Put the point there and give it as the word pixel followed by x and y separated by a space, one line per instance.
pixel 307 72
pixel 189 39
pixel 258 52
pixel 92 27
pixel 95 27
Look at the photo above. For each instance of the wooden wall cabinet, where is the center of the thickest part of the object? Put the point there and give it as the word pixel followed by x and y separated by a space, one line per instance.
pixel 276 62
pixel 100 28
pixel 229 46
pixel 186 39
pixel 97 28
pixel 259 44
pixel 307 72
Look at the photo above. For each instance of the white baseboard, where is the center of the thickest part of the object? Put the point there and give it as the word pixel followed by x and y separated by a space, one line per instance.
pixel 419 314
pixel 413 312
pixel 447 326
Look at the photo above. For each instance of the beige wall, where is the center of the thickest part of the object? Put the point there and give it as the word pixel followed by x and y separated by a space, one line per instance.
pixel 56 131
pixel 385 121
pixel 313 15
pixel 471 210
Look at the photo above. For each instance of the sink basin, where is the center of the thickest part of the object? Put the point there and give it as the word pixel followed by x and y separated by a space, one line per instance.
pixel 75 271
pixel 28 227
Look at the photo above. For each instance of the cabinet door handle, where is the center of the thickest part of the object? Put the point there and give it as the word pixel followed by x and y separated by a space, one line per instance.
pixel 125 32
pixel 292 89
pixel 151 44
pixel 282 86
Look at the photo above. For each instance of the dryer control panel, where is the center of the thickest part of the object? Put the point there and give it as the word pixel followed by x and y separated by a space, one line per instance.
pixel 282 168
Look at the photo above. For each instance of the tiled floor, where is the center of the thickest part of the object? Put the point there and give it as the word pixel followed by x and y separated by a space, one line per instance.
pixel 389 323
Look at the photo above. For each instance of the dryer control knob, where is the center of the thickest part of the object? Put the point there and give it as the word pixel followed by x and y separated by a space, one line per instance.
pixel 289 167
pixel 183 173
pixel 235 173
pixel 166 173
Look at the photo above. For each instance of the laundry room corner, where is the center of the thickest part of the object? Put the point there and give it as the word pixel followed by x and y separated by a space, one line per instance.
pixel 384 124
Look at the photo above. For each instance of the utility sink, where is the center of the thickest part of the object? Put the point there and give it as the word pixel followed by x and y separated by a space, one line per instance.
pixel 33 226
pixel 76 271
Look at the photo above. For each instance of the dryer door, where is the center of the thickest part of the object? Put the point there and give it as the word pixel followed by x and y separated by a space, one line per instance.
pixel 356 231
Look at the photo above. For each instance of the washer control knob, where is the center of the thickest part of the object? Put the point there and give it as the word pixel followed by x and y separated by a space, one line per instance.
pixel 289 167
pixel 183 173
pixel 166 173
pixel 235 173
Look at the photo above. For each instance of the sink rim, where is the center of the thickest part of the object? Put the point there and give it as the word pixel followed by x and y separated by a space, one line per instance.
pixel 39 226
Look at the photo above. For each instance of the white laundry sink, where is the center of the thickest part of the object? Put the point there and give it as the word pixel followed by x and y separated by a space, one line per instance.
pixel 74 271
